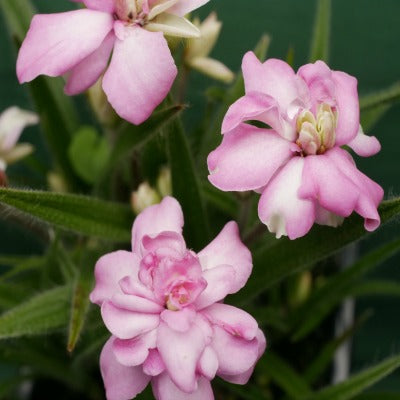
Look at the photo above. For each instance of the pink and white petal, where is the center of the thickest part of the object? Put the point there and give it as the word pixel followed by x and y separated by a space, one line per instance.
pixel 275 78
pixel 55 43
pixel 347 106
pixel 280 207
pixel 179 321
pixel 325 217
pixel 140 74
pixel 133 352
pixel 165 241
pixel 125 324
pixel 181 352
pixel 260 107
pixel 184 7
pixel 121 383
pixel 364 145
pixel 228 249
pixel 165 389
pixel 100 5
pixel 208 363
pixel 166 216
pixel 234 320
pixel 220 281
pixel 154 365
pixel 109 270
pixel 235 355
pixel 247 158
pixel 88 71
pixel 131 285
pixel 136 303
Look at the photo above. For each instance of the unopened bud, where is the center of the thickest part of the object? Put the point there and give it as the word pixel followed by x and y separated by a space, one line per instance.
pixel 164 182
pixel 300 288
pixel 57 183
pixel 144 197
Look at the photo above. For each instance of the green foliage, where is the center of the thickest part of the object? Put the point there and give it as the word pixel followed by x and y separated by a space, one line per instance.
pixel 320 46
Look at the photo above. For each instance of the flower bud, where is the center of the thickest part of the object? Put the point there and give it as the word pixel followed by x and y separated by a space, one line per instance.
pixel 144 197
pixel 164 182
pixel 57 183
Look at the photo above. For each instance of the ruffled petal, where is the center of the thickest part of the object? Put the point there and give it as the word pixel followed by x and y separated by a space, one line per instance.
pixel 100 5
pixel 247 158
pixel 165 389
pixel 55 43
pixel 280 207
pixel 125 324
pixel 181 352
pixel 121 383
pixel 140 74
pixel 208 363
pixel 89 70
pixel 228 249
pixel 364 145
pixel 334 181
pixel 166 216
pixel 179 321
pixel 109 270
pixel 184 7
pixel 136 303
pixel 154 365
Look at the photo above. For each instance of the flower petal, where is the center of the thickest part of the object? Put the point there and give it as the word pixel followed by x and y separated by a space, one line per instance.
pixel 184 7
pixel 172 25
pixel 208 363
pixel 154 365
pixel 228 249
pixel 364 145
pixel 125 324
pixel 109 270
pixel 100 5
pixel 165 389
pixel 179 321
pixel 247 158
pixel 181 352
pixel 140 74
pixel 166 216
pixel 136 303
pixel 55 43
pixel 121 383
pixel 280 207
pixel 88 71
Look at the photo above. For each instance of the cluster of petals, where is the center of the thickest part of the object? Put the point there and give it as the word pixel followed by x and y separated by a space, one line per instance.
pixel 295 158
pixel 79 44
pixel 163 305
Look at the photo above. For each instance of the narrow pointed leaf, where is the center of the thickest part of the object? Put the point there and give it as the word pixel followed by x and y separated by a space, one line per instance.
pixel 80 214
pixel 385 96
pixel 375 288
pixel 358 383
pixel 276 262
pixel 39 315
pixel 320 45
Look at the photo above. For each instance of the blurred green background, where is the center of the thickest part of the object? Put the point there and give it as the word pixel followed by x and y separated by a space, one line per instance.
pixel 364 42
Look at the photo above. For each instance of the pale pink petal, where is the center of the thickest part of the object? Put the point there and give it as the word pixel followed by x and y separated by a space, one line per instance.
pixel 228 249
pixel 220 281
pixel 208 363
pixel 334 181
pixel 165 389
pixel 258 107
pixel 135 351
pixel 140 74
pixel 179 321
pixel 100 5
pixel 121 383
pixel 88 71
pixel 165 241
pixel 181 352
pixel 235 354
pixel 109 270
pixel 131 285
pixel 184 7
pixel 154 365
pixel 275 78
pixel 125 324
pixel 55 43
pixel 247 158
pixel 234 320
pixel 365 145
pixel 136 303
pixel 166 216
pixel 280 207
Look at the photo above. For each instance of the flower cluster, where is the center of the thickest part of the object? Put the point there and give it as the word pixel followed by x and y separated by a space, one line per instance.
pixel 162 304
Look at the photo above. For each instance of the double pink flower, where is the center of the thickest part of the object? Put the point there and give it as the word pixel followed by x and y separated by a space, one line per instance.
pixel 163 305
pixel 79 44
pixel 297 162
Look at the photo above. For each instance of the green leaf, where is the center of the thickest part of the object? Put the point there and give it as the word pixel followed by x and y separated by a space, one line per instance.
pixel 80 214
pixel 385 96
pixel 24 265
pixel 284 376
pixel 18 14
pixel 89 154
pixel 326 298
pixel 358 383
pixel 320 45
pixel 222 200
pixel 186 186
pixel 378 396
pixel 371 116
pixel 274 263
pixel 375 288
pixel 44 312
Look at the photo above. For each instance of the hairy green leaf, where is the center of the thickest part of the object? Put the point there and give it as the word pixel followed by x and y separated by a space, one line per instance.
pixel 320 45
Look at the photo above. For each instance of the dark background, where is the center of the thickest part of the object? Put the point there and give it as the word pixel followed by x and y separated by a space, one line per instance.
pixel 364 43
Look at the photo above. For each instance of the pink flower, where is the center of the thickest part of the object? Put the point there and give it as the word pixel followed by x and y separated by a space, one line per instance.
pixel 163 305
pixel 297 163
pixel 79 43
